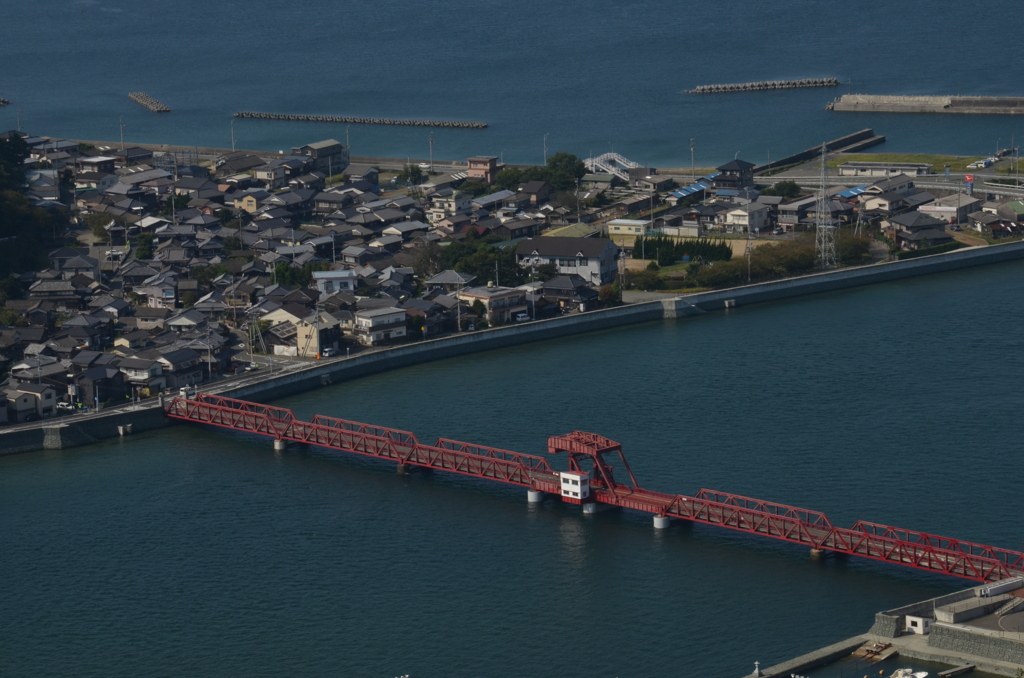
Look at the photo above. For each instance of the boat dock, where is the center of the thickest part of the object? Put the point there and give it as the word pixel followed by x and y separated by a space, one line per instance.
pixel 764 85
pixel 874 103
pixel 361 121
pixel 149 102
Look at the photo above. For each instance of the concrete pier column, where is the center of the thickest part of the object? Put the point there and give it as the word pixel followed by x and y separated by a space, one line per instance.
pixel 817 553
pixel 403 469
pixel 591 507
pixel 662 522
pixel 280 445
pixel 534 496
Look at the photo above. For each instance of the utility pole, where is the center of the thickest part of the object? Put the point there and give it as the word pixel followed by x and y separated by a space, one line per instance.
pixel 232 135
pixel 546 147
pixel 19 119
pixel 430 140
pixel 346 140
pixel 693 169
pixel 497 283
pixel 121 124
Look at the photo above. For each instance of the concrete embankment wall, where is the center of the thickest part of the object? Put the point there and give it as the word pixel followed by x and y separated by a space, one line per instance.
pixel 437 349
pixel 87 430
pixel 72 431
pixel 842 279
pixel 825 655
pixel 928 104
pixel 891 623
pixel 811 153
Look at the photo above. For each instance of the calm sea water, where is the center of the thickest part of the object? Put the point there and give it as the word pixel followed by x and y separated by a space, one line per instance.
pixel 197 552
pixel 595 76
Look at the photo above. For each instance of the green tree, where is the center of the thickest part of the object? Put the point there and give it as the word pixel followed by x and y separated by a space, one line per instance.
pixel 97 223
pixel 474 188
pixel 144 247
pixel 188 300
pixel 11 318
pixel 786 189
pixel 179 202
pixel 479 309
pixel 410 174
pixel 545 272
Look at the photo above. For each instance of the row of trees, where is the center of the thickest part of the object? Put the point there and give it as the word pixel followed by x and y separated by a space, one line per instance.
pixel 27 233
pixel 561 171
pixel 667 251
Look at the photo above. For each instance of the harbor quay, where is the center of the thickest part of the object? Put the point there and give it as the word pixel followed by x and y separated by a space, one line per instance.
pixel 975 629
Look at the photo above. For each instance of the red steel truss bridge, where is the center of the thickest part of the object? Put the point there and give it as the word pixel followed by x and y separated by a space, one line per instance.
pixel 590 481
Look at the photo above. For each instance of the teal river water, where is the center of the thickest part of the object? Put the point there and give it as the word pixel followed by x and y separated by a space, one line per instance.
pixel 596 76
pixel 198 552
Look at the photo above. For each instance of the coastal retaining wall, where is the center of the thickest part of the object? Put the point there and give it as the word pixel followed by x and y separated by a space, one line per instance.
pixel 966 641
pixel 842 279
pixel 890 624
pixel 331 371
pixel 811 153
pixel 69 432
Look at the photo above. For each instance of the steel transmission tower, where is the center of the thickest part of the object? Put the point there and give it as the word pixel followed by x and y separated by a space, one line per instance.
pixel 825 230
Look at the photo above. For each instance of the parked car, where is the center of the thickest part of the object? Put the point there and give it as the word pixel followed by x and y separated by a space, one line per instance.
pixel 522 317
pixel 328 352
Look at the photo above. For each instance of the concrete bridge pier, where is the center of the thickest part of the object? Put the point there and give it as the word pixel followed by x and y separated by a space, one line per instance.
pixel 403 469
pixel 534 496
pixel 662 522
pixel 817 554
pixel 280 445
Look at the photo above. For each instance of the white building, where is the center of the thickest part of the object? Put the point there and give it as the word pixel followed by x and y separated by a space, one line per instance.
pixel 379 325
pixel 329 282
pixel 750 217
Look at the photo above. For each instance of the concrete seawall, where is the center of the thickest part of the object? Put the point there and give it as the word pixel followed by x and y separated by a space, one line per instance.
pixel 88 429
pixel 871 103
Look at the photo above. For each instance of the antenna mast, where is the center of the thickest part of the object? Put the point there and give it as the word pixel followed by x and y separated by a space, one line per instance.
pixel 825 236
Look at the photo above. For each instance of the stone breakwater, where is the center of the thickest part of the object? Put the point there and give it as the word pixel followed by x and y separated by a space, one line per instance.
pixel 361 121
pixel 149 102
pixel 767 84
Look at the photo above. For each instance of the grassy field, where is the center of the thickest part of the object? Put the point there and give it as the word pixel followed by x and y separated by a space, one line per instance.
pixel 938 162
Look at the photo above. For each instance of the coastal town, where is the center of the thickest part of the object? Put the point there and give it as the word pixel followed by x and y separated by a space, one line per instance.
pixel 166 270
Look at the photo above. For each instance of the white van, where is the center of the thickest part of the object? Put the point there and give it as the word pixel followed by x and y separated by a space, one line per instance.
pixel 522 317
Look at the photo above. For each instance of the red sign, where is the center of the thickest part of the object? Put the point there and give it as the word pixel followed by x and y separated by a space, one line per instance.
pixel 968 177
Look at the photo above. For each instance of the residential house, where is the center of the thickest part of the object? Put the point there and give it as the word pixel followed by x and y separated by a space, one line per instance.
pixel 100 384
pixel 483 168
pixel 181 367
pixel 570 292
pixel 501 304
pixel 735 175
pixel 595 259
pixel 329 156
pixel 377 326
pixel 537 191
pixel 315 334
pixel 145 375
pixel 952 209
pixel 329 282
pixel 30 401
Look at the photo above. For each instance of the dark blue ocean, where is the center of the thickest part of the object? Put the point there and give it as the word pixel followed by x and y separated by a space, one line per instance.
pixel 194 552
pixel 594 76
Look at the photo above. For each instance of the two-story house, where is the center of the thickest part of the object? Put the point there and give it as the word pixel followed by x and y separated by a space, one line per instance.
pixel 594 259
pixel 501 304
pixel 380 325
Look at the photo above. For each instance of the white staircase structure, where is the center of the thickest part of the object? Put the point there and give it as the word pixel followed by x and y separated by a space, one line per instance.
pixel 611 163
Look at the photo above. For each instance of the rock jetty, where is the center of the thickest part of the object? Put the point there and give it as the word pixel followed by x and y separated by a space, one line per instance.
pixel 361 121
pixel 149 102
pixel 767 84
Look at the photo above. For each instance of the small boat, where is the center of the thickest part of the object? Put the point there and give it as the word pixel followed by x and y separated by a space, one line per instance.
pixel 909 673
